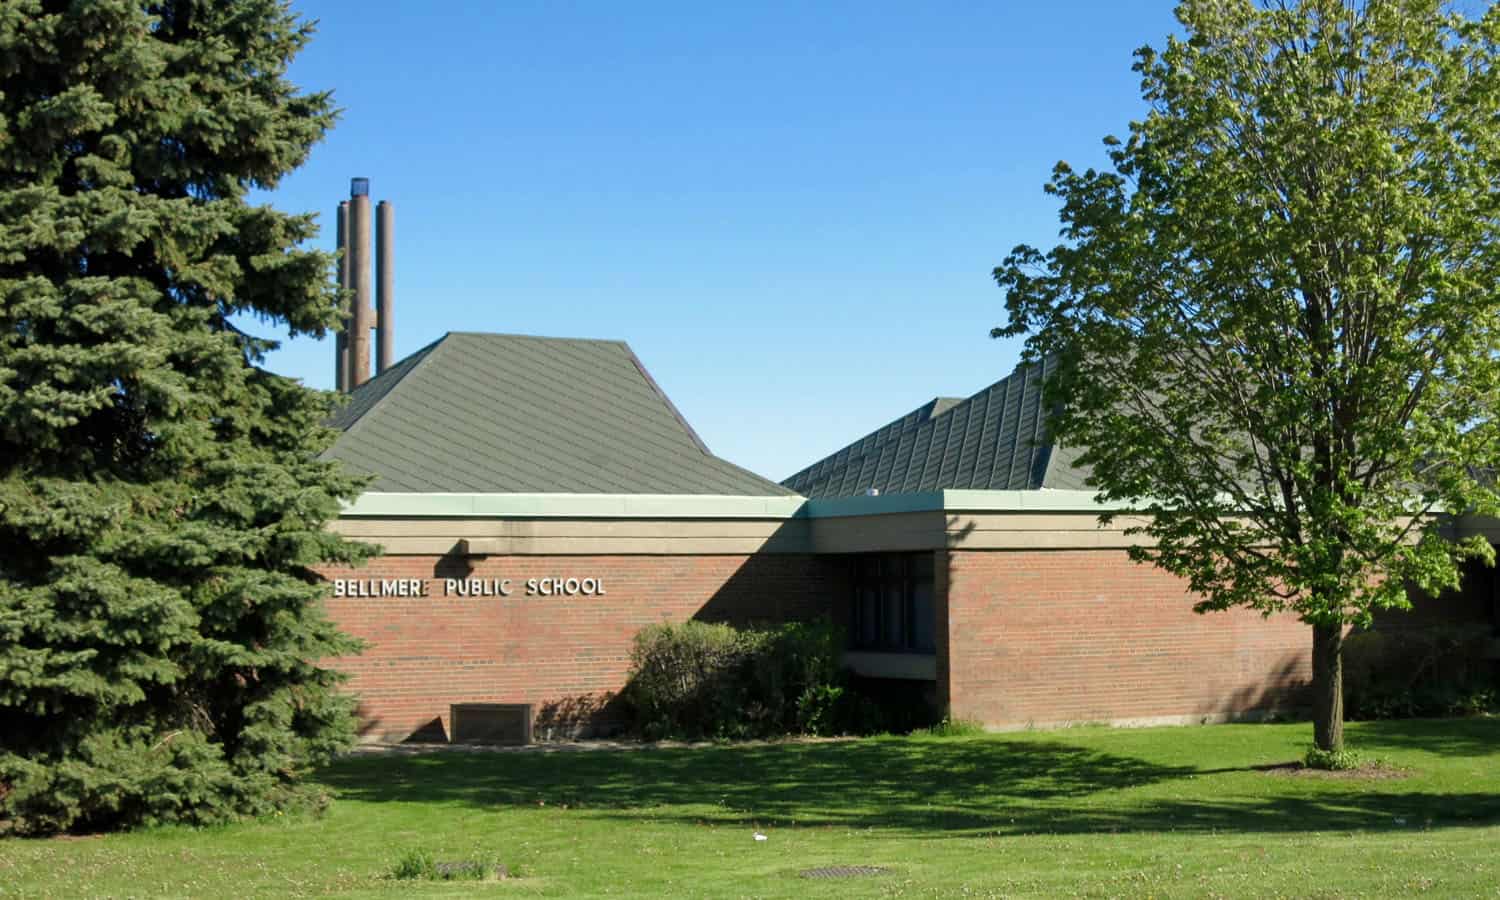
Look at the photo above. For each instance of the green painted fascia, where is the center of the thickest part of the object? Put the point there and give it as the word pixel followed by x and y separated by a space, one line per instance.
pixel 710 506
pixel 572 506
pixel 718 506
pixel 1046 499
pixel 878 505
pixel 961 501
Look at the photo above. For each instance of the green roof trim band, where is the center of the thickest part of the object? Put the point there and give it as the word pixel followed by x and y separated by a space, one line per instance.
pixel 962 501
pixel 708 506
pixel 574 506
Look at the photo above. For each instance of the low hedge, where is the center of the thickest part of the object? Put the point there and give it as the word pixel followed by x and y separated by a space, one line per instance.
pixel 696 680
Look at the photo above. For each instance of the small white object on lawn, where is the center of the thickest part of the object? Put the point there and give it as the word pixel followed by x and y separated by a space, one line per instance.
pixel 759 836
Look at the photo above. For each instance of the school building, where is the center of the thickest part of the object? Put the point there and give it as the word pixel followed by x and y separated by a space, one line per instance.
pixel 539 500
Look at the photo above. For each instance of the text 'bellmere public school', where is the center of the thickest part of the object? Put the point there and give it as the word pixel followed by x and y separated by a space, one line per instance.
pixel 469 587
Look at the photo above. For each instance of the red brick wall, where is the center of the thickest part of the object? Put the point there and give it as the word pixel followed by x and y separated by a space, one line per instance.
pixel 1023 636
pixel 563 654
pixel 1086 635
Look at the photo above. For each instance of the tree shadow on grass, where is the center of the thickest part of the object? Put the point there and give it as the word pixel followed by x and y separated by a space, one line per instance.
pixel 1324 812
pixel 868 782
pixel 940 787
pixel 1479 736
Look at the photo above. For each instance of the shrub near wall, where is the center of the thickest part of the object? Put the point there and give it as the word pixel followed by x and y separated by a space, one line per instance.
pixel 698 680
pixel 1407 673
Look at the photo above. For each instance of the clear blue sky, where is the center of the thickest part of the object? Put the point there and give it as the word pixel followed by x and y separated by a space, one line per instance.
pixel 790 211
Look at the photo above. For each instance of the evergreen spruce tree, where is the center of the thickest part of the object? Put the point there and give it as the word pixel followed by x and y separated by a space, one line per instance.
pixel 161 496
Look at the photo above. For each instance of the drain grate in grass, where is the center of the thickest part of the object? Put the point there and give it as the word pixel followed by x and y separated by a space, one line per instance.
pixel 468 870
pixel 843 871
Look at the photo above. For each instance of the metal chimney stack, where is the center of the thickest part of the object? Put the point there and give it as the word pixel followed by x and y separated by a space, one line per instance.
pixel 385 286
pixel 341 343
pixel 353 346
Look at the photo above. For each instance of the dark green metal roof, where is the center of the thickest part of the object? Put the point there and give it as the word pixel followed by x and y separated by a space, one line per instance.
pixel 994 440
pixel 502 413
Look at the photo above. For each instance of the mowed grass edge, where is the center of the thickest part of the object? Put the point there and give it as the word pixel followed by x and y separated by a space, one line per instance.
pixel 1078 812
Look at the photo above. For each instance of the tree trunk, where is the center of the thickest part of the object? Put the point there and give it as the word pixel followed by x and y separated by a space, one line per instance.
pixel 1328 687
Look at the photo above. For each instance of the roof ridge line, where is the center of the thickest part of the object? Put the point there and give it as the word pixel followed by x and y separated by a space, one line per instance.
pixel 930 430
pixel 662 395
pixel 682 420
pixel 426 352
pixel 538 337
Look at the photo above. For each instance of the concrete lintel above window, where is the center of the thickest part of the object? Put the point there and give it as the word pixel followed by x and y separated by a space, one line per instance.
pixel 1485 526
pixel 908 666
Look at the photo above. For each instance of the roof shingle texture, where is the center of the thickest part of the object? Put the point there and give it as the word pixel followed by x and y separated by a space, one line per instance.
pixel 994 440
pixel 497 413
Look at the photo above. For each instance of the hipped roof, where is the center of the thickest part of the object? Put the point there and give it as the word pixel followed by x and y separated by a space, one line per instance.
pixel 995 439
pixel 504 413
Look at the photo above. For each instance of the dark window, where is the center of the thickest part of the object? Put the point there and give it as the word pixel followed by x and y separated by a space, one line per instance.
pixel 867 617
pixel 893 603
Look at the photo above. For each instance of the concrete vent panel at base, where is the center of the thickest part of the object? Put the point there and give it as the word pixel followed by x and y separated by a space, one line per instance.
pixel 489 723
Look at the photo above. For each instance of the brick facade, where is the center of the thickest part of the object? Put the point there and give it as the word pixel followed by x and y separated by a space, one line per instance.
pixel 563 654
pixel 1052 636
pixel 1024 637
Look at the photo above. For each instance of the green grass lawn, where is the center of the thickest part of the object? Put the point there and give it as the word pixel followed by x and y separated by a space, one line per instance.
pixel 1085 812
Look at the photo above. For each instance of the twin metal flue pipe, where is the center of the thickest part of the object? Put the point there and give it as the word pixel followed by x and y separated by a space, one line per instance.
pixel 353 344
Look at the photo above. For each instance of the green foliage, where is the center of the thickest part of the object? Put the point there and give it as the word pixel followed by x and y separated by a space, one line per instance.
pixel 1275 323
pixel 1419 672
pixel 1340 760
pixel 708 680
pixel 950 727
pixel 819 708
pixel 161 497
pixel 686 679
pixel 414 864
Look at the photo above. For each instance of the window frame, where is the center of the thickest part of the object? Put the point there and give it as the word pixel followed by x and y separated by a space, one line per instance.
pixel 872 577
